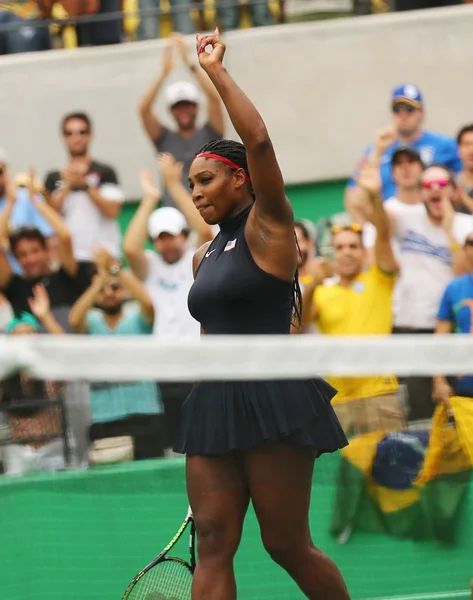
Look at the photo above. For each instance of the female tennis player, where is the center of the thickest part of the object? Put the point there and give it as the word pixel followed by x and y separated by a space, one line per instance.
pixel 251 440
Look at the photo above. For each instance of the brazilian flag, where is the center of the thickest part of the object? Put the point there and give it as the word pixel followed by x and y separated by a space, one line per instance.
pixel 408 484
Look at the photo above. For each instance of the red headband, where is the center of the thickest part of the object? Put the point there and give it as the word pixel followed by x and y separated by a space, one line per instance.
pixel 224 160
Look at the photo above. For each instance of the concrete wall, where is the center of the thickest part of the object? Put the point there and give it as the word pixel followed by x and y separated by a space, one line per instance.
pixel 323 89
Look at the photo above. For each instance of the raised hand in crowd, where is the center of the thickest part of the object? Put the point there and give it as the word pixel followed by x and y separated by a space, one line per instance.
pixel 179 43
pixel 168 58
pixel 171 172
pixel 74 175
pixel 170 169
pixel 151 193
pixel 318 271
pixel 369 179
pixel 384 138
pixel 448 213
pixel 103 260
pixel 40 306
pixel 182 99
pixel 370 182
pixel 5 215
pixel 360 209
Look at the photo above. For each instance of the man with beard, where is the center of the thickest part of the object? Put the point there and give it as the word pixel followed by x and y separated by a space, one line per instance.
pixel 182 100
pixel 86 192
pixel 129 412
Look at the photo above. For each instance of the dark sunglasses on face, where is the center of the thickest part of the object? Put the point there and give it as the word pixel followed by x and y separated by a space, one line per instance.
pixel 469 243
pixel 69 133
pixel 397 108
pixel 440 183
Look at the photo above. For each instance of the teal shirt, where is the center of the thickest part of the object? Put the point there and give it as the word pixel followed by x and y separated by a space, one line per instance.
pixel 114 401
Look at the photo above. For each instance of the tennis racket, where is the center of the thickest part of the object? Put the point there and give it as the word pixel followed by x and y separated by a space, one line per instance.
pixel 166 577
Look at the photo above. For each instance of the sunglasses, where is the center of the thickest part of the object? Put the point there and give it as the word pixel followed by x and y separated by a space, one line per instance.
pixel 397 108
pixel 69 133
pixel 469 243
pixel 356 227
pixel 440 183
pixel 2 170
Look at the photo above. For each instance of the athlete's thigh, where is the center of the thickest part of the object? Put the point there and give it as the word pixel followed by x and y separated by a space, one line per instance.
pixel 280 482
pixel 218 494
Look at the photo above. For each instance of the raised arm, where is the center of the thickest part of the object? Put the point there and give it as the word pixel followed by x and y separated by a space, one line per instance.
pixel 137 233
pixel 40 306
pixel 271 204
pixel 6 213
pixel 369 181
pixel 214 106
pixel 105 261
pixel 320 272
pixel 6 273
pixel 79 310
pixel 138 292
pixel 171 173
pixel 57 223
pixel 459 261
pixel 355 199
pixel 149 119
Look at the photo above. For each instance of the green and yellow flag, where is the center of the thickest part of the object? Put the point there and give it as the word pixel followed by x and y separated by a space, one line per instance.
pixel 408 484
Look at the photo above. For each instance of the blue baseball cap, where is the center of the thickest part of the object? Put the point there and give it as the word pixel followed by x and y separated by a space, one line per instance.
pixel 408 93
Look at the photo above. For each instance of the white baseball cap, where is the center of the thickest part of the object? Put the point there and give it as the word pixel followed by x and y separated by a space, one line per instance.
pixel 181 91
pixel 166 220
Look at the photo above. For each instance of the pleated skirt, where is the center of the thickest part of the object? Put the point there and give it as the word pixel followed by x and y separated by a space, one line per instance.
pixel 221 417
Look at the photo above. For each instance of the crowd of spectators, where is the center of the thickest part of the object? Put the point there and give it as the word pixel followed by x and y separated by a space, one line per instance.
pixel 37 25
pixel 401 261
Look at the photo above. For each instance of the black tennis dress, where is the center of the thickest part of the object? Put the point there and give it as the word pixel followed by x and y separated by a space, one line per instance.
pixel 232 295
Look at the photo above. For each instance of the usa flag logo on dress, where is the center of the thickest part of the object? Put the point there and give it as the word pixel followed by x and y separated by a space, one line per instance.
pixel 230 245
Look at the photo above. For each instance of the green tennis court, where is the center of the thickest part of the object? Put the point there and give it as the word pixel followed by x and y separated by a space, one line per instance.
pixel 84 535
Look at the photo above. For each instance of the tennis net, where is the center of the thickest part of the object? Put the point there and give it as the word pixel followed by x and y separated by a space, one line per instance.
pixel 85 532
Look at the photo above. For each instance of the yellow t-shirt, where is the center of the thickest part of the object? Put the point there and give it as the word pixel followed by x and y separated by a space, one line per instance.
pixel 364 308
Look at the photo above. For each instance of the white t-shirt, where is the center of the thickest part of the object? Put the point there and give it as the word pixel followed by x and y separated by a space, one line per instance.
pixel 88 226
pixel 169 285
pixel 425 266
pixel 393 206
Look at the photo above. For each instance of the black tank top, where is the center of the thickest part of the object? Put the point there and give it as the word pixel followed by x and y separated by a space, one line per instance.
pixel 231 294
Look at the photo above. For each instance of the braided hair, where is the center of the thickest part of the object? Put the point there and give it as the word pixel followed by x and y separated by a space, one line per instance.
pixel 236 152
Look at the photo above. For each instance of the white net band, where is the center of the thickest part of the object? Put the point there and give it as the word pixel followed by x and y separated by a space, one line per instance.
pixel 234 358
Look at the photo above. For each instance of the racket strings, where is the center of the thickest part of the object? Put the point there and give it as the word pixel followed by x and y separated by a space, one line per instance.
pixel 169 580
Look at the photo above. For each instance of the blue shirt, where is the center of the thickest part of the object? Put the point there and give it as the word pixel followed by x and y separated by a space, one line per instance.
pixel 457 307
pixel 24 214
pixel 432 147
pixel 114 401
